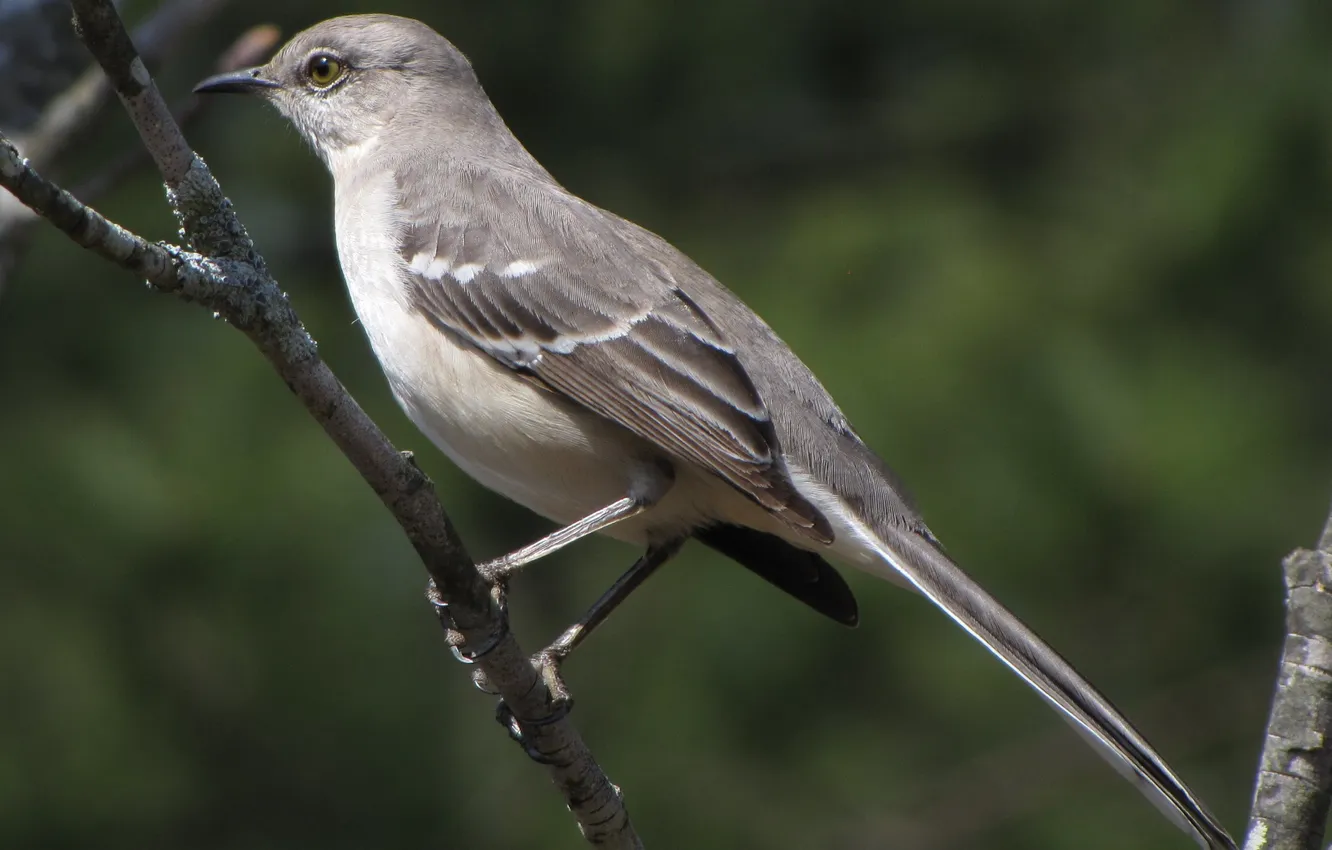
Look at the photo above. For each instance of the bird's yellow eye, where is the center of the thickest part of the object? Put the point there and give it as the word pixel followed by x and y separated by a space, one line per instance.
pixel 323 69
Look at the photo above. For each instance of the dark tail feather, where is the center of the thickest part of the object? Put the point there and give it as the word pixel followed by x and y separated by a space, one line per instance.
pixel 802 574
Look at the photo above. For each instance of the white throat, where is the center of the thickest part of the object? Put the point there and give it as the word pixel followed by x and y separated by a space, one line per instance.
pixel 345 162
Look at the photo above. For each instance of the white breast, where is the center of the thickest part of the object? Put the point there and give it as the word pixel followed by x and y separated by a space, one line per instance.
pixel 513 437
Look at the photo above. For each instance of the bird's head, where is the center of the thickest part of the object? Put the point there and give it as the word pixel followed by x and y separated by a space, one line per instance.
pixel 342 81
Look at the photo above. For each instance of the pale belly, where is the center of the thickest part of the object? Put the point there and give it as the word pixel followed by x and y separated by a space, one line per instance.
pixel 531 446
pixel 509 435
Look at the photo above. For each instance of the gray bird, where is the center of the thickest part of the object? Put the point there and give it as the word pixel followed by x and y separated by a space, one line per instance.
pixel 583 367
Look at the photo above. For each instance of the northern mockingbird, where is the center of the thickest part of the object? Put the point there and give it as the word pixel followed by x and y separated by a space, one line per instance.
pixel 583 367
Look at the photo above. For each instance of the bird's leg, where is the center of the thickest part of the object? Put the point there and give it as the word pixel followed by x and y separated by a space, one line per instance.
pixel 499 571
pixel 502 569
pixel 654 557
pixel 548 660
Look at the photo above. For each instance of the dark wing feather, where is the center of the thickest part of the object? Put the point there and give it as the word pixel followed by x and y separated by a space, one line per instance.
pixel 607 329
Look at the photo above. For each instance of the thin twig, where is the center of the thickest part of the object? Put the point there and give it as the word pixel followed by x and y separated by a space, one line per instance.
pixel 1290 800
pixel 223 272
pixel 71 113
pixel 250 49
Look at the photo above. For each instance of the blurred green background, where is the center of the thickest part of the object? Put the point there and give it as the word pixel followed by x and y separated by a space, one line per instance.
pixel 1066 265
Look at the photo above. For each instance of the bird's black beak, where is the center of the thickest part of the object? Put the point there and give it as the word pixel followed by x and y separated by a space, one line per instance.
pixel 237 82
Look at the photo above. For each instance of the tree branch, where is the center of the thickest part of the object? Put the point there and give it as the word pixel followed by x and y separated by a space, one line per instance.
pixel 1290 800
pixel 222 271
pixel 252 47
pixel 76 107
pixel 73 111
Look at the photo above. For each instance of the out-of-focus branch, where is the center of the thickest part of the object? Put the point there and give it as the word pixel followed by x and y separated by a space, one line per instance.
pixel 253 47
pixel 1290 800
pixel 64 118
pixel 40 58
pixel 105 36
pixel 222 271
pixel 73 111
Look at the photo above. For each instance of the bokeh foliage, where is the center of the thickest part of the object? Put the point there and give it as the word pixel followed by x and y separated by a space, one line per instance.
pixel 1066 265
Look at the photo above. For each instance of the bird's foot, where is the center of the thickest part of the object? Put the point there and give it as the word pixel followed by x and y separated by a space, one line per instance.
pixel 547 665
pixel 457 640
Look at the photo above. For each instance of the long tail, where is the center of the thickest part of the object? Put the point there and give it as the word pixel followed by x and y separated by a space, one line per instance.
pixel 929 571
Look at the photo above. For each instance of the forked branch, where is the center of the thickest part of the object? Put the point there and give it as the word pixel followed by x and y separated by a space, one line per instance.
pixel 220 269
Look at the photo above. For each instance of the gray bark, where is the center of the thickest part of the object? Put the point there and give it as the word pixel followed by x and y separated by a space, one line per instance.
pixel 220 269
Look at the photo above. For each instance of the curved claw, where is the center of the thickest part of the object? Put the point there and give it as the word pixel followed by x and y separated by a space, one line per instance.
pixel 457 642
pixel 471 656
pixel 506 718
pixel 439 603
pixel 482 682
